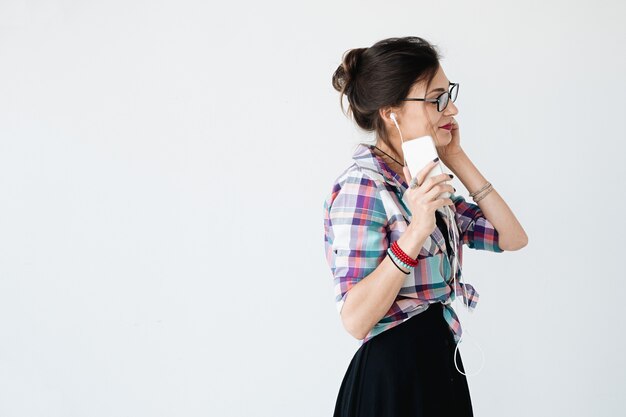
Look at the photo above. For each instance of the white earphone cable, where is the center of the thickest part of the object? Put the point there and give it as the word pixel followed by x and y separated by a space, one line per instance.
pixel 453 237
pixel 464 299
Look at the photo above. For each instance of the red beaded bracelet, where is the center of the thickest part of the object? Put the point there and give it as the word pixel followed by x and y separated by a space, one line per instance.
pixel 395 248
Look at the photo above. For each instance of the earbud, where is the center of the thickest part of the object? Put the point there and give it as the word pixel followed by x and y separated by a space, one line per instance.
pixel 392 116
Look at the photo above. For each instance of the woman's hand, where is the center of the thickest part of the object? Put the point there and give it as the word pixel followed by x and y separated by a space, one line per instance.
pixel 452 149
pixel 423 201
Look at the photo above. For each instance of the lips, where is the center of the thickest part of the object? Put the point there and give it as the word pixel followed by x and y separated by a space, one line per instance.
pixel 447 127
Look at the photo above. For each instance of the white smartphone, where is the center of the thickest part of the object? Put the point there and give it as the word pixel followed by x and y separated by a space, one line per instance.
pixel 420 152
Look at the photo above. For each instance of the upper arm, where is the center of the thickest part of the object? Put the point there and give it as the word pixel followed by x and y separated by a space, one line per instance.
pixel 355 233
pixel 477 232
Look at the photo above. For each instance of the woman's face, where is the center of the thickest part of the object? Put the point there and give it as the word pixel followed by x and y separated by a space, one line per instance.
pixel 420 118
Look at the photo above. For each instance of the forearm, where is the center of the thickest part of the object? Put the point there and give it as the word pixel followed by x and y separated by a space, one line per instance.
pixel 370 299
pixel 511 234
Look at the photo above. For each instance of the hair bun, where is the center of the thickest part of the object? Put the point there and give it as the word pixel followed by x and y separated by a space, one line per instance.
pixel 382 75
pixel 344 75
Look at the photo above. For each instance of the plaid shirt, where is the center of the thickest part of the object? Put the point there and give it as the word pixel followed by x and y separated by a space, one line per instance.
pixel 364 214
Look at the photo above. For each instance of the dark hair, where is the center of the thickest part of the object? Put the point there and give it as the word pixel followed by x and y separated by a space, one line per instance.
pixel 382 75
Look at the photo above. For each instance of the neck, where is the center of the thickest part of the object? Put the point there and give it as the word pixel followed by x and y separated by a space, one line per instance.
pixel 390 155
pixel 393 165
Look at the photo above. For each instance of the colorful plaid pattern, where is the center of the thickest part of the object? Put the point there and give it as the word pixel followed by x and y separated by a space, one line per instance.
pixel 364 214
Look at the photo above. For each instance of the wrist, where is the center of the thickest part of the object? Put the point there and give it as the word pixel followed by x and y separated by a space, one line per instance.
pixel 455 161
pixel 415 233
pixel 412 240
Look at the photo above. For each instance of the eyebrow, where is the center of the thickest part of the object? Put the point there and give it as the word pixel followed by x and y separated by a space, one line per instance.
pixel 439 89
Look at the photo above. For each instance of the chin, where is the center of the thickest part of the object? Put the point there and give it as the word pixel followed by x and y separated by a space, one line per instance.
pixel 443 140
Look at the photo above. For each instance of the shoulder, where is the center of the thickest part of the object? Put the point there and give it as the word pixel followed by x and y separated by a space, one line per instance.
pixel 355 194
pixel 357 181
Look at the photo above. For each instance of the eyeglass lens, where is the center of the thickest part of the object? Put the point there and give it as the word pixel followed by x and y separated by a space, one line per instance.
pixel 445 97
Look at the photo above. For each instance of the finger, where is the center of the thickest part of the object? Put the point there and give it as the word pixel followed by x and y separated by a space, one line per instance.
pixel 428 183
pixel 440 202
pixel 437 179
pixel 443 177
pixel 437 189
pixel 407 174
pixel 421 175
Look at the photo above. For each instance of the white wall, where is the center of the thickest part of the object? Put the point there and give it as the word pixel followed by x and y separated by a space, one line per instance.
pixel 162 172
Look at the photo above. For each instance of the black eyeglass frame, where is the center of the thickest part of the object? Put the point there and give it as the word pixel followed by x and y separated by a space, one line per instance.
pixel 438 100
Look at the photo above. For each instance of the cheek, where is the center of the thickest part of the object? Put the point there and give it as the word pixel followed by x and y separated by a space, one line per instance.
pixel 419 123
pixel 436 118
pixel 425 125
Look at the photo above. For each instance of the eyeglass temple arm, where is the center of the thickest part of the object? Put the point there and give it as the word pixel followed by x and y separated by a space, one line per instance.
pixel 432 100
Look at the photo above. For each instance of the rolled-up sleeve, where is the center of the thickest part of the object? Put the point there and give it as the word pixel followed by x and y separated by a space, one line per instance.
pixel 476 231
pixel 355 233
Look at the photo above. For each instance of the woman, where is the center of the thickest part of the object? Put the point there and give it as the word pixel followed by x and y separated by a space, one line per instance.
pixel 387 236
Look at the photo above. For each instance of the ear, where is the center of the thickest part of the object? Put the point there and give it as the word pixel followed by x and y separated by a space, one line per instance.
pixel 384 113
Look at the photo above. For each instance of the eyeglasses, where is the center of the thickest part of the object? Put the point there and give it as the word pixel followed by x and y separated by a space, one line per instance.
pixel 443 99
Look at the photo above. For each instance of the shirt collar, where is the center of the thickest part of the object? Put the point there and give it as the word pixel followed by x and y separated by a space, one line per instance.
pixel 366 159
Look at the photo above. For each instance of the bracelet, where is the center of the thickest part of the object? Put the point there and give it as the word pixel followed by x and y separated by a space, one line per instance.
pixel 398 260
pixel 400 254
pixel 394 262
pixel 479 191
pixel 483 196
pixel 490 189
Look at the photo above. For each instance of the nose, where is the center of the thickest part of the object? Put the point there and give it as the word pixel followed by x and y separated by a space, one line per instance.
pixel 451 109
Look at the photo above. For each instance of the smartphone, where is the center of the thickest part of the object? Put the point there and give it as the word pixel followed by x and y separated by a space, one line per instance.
pixel 418 153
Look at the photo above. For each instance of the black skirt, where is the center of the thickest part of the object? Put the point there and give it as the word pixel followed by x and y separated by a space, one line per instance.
pixel 407 371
